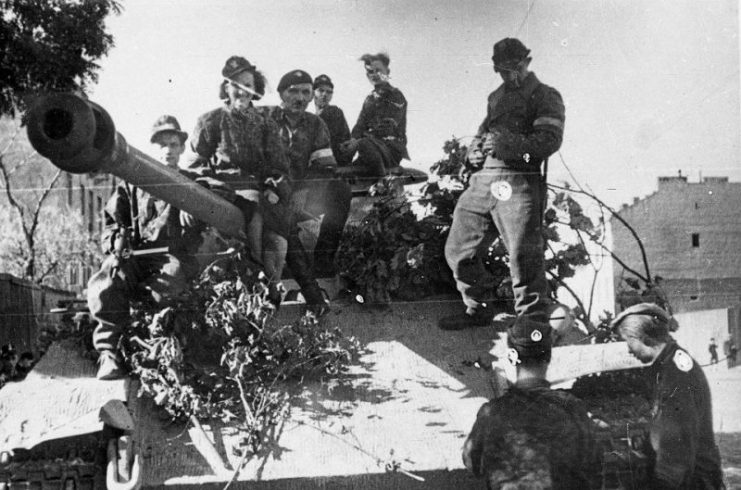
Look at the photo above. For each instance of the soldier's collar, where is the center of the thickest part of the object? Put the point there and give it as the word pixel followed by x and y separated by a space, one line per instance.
pixel 530 383
pixel 527 84
pixel 665 353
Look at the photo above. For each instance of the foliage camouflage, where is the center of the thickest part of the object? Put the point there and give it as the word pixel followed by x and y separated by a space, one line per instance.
pixel 393 253
pixel 217 353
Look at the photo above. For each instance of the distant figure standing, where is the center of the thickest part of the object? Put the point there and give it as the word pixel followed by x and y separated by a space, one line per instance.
pixel 732 350
pixel 713 349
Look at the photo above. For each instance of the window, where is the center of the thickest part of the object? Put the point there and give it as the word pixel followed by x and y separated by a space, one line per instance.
pixel 74 274
pixel 695 240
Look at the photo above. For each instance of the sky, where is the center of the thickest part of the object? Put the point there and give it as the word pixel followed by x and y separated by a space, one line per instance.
pixel 651 88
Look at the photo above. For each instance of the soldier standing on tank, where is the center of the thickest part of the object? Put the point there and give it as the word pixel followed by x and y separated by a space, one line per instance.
pixel 506 194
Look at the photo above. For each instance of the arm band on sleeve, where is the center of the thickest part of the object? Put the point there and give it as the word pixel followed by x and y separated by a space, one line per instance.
pixel 548 121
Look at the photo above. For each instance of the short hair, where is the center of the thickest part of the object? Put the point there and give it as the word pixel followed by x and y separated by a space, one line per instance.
pixel 368 58
pixel 260 83
pixel 650 329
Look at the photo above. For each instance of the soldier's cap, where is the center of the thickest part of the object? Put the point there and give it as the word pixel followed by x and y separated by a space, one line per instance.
pixel 650 309
pixel 167 124
pixel 294 77
pixel 531 338
pixel 323 80
pixel 236 65
pixel 508 52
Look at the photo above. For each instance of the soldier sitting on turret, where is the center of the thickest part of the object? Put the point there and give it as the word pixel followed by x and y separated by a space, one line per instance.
pixel 380 135
pixel 239 150
pixel 134 220
pixel 532 436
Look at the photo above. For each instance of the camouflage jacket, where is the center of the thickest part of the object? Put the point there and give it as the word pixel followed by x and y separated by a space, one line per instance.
pixel 152 222
pixel 526 123
pixel 683 447
pixel 532 437
pixel 235 146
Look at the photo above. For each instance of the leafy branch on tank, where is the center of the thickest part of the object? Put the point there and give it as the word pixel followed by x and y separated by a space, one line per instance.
pixel 218 354
pixel 397 251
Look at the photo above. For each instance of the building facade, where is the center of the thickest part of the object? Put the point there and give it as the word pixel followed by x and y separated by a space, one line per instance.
pixel 691 232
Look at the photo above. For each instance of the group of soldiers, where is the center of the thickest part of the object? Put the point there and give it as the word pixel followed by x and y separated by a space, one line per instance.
pixel 282 164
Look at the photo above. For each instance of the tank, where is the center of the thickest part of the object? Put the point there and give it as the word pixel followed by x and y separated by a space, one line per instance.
pixel 79 136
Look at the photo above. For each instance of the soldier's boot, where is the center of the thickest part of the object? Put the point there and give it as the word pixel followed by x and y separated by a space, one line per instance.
pixel 109 366
pixel 316 300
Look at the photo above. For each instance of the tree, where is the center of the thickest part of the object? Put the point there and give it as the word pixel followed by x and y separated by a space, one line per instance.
pixel 50 46
pixel 47 46
pixel 37 234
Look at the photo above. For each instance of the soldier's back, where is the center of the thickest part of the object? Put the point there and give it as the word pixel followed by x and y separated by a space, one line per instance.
pixel 538 439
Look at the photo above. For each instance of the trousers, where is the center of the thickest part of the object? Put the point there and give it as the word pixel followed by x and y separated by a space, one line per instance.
pixel 329 198
pixel 510 202
pixel 110 290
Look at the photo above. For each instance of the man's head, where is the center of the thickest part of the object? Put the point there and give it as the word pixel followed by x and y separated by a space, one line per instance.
pixel 323 91
pixel 529 343
pixel 376 67
pixel 242 83
pixel 296 91
pixel 511 61
pixel 168 140
pixel 645 328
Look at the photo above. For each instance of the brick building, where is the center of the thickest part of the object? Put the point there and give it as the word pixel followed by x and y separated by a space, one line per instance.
pixel 692 235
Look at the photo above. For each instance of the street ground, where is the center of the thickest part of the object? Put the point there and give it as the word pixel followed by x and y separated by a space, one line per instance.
pixel 725 385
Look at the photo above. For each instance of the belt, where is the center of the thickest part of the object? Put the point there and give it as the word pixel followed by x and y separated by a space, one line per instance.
pixel 493 162
pixel 523 168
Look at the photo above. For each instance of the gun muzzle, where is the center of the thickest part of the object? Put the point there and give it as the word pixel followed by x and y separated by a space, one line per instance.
pixel 79 136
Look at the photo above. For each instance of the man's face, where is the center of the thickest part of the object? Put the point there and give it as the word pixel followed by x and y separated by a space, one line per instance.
pixel 323 96
pixel 511 73
pixel 168 148
pixel 638 348
pixel 296 98
pixel 239 98
pixel 377 72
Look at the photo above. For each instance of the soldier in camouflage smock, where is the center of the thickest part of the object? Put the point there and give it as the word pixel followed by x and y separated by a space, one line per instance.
pixel 237 150
pixel 531 437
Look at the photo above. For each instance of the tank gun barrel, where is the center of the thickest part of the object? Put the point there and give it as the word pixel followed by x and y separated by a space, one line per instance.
pixel 79 136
